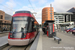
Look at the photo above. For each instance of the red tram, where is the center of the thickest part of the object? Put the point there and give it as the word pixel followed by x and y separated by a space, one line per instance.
pixel 23 28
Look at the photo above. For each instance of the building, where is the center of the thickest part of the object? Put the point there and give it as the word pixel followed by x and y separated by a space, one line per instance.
pixel 59 18
pixel 47 14
pixel 8 17
pixel 73 11
pixel 63 18
pixel 66 17
pixel 5 21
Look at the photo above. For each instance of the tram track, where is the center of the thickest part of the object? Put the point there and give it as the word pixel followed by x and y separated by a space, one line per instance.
pixel 26 47
pixel 8 47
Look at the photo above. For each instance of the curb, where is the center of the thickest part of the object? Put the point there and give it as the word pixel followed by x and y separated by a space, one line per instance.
pixel 35 43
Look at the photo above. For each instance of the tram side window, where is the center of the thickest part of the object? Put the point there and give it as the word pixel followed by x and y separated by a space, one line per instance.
pixel 31 27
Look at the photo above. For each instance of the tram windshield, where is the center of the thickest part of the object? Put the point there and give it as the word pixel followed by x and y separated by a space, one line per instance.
pixel 20 24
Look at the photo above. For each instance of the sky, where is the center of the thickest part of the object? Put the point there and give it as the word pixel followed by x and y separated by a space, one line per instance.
pixel 10 6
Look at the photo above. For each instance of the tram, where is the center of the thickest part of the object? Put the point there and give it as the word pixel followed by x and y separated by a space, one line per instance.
pixel 23 30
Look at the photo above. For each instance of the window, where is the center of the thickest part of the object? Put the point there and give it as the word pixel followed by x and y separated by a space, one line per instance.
pixel 20 24
pixel 5 21
pixel 60 20
pixel 56 18
pixel 1 16
pixel 31 26
pixel 51 18
pixel 50 13
pixel 0 21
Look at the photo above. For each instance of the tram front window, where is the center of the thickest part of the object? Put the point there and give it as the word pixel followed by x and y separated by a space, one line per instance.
pixel 20 25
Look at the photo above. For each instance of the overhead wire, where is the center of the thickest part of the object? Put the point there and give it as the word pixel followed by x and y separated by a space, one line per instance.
pixel 14 10
pixel 31 5
pixel 7 7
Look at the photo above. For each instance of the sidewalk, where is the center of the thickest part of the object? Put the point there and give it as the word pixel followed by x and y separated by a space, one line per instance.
pixel 39 45
pixel 46 43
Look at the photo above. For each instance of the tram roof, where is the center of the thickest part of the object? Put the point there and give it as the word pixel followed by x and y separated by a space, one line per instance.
pixel 22 12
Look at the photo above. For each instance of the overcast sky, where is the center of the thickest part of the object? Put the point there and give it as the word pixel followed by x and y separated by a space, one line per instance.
pixel 10 6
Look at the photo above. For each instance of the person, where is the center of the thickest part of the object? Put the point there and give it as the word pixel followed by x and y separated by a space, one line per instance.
pixel 22 29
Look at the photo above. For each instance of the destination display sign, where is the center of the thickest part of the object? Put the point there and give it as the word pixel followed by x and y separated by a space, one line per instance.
pixel 20 18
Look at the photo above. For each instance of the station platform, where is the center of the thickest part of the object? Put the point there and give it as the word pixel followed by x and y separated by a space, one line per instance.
pixel 46 43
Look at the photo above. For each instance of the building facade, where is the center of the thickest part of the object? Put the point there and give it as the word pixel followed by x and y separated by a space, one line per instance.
pixel 59 18
pixel 47 14
pixel 5 21
pixel 63 18
pixel 73 11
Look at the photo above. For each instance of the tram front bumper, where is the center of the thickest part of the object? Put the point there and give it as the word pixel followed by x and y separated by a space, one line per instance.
pixel 18 42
